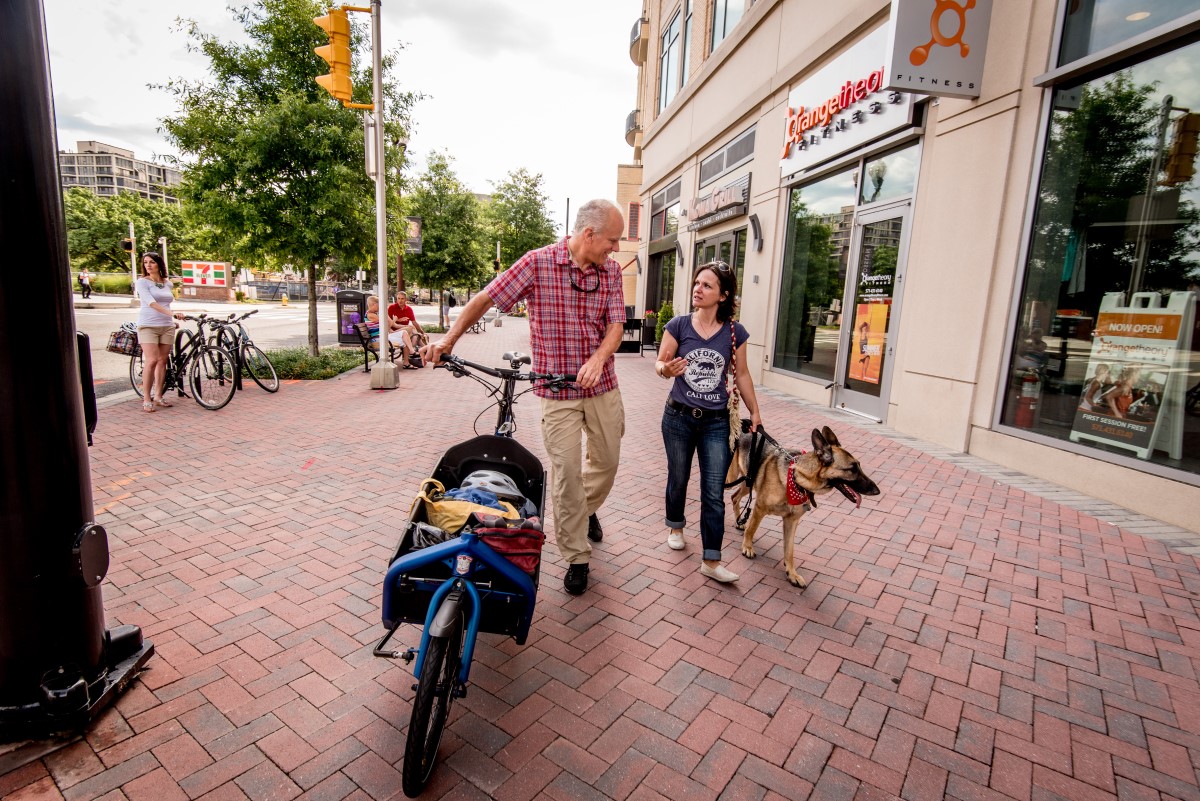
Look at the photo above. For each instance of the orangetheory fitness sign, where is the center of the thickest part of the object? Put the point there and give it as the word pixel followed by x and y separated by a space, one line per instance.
pixel 842 106
pixel 937 47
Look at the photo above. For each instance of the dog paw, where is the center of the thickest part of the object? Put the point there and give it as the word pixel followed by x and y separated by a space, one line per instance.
pixel 748 551
pixel 796 581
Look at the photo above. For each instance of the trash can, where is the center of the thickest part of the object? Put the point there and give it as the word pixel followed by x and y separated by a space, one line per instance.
pixel 351 309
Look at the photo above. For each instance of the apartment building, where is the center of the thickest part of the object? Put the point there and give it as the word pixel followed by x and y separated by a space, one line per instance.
pixel 972 221
pixel 105 170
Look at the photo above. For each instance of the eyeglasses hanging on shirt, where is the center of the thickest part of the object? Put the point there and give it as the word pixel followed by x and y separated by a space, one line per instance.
pixel 594 280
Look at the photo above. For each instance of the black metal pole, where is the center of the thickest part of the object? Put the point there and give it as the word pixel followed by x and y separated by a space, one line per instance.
pixel 58 664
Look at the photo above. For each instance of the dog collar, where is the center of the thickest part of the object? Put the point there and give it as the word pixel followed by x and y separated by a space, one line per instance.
pixel 795 495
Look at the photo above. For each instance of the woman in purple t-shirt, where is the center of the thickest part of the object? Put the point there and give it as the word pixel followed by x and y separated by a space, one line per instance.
pixel 698 351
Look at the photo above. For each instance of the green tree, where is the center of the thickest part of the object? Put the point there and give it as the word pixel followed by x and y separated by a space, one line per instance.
pixel 518 216
pixel 96 226
pixel 276 164
pixel 452 230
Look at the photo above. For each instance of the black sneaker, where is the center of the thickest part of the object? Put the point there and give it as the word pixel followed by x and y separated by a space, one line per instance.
pixel 576 579
pixel 595 533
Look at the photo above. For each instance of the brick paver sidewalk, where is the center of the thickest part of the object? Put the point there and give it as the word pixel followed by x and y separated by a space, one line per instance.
pixel 959 638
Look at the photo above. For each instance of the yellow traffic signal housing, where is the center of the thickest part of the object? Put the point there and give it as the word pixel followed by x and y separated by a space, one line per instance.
pixel 1181 160
pixel 337 53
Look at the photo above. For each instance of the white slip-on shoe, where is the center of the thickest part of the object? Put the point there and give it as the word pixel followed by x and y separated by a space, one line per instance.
pixel 675 541
pixel 719 573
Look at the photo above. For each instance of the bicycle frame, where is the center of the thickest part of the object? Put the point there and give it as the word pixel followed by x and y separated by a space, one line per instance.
pixel 467 547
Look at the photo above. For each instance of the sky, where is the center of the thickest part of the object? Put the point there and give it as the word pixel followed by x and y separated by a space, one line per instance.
pixel 540 84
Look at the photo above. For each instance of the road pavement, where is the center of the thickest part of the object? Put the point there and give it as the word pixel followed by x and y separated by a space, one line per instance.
pixel 272 326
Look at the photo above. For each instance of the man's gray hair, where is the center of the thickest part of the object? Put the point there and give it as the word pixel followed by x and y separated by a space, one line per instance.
pixel 595 215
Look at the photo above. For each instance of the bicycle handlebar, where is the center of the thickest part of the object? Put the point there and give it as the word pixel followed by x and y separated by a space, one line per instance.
pixel 513 372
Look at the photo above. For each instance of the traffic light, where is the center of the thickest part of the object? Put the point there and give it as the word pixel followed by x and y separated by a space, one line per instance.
pixel 127 244
pixel 1181 159
pixel 337 53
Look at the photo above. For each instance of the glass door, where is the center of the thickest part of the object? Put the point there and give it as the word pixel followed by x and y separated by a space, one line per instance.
pixel 872 300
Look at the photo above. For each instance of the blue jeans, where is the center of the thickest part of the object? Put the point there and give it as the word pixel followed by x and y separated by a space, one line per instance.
pixel 683 436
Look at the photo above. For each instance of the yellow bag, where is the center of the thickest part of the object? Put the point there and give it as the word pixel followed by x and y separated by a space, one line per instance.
pixel 451 514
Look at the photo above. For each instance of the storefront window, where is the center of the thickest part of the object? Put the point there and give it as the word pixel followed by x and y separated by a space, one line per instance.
pixel 889 176
pixel 1093 25
pixel 814 276
pixel 1105 351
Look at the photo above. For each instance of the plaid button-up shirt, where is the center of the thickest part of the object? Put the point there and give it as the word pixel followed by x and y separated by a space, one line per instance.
pixel 566 325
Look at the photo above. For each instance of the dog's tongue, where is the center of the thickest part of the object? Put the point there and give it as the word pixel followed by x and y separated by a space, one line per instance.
pixel 851 494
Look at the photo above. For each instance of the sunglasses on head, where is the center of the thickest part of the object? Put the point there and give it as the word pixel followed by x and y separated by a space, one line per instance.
pixel 719 266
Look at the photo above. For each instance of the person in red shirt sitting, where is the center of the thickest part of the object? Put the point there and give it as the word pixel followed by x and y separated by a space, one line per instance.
pixel 404 319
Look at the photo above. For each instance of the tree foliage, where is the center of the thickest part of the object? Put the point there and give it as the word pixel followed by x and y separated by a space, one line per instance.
pixel 272 162
pixel 96 226
pixel 518 215
pixel 452 230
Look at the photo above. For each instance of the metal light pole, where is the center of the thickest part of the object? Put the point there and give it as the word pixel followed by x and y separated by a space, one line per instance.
pixel 385 374
pixel 133 266
pixel 162 240
pixel 59 664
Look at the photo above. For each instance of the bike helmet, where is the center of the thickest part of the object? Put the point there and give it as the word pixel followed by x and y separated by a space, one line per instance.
pixel 495 482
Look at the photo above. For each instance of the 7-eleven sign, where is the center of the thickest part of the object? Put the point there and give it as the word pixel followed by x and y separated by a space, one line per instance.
pixel 205 273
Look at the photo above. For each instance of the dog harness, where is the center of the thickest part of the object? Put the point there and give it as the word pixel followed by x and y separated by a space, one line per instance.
pixel 797 495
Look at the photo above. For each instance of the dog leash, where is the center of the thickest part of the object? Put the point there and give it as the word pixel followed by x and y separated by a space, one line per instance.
pixel 758 441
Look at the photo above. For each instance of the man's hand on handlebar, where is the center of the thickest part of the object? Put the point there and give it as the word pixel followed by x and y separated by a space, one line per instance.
pixel 432 352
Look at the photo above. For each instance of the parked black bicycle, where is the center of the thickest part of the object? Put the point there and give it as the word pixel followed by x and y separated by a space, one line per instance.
pixel 195 369
pixel 233 337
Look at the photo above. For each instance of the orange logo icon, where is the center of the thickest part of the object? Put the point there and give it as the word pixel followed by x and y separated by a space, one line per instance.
pixel 919 54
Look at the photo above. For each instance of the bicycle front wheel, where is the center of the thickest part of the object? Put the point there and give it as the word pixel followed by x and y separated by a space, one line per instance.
pixel 431 708
pixel 211 377
pixel 260 368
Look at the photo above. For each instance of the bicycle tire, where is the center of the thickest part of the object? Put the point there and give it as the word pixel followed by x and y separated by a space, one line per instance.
pixel 136 372
pixel 259 366
pixel 431 708
pixel 210 377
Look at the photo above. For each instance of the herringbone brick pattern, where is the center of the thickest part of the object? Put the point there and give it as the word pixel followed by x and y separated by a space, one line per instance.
pixel 959 638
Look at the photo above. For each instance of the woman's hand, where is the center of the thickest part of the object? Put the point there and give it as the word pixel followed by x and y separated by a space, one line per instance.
pixel 674 368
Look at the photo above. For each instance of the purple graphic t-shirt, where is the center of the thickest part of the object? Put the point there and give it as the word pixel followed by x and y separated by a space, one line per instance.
pixel 703 385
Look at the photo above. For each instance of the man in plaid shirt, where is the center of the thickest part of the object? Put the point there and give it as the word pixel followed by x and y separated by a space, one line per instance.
pixel 576 319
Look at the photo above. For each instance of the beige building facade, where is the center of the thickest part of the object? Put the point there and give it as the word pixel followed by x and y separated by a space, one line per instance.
pixel 106 171
pixel 1011 275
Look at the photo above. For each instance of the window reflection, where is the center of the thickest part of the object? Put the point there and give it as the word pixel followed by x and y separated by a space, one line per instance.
pixel 820 222
pixel 1117 223
pixel 890 176
pixel 1093 25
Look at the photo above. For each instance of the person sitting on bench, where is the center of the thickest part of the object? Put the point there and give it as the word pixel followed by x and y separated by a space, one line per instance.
pixel 395 335
pixel 402 315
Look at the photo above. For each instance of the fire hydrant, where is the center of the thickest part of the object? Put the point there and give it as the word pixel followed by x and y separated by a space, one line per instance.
pixel 283 299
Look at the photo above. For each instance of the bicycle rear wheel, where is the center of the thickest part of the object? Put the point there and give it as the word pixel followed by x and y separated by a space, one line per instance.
pixel 136 371
pixel 210 377
pixel 431 708
pixel 260 368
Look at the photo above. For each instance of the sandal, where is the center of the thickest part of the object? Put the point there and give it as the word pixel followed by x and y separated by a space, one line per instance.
pixel 147 406
pixel 163 404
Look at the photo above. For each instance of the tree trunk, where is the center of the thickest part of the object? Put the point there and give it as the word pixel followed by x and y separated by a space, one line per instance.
pixel 313 344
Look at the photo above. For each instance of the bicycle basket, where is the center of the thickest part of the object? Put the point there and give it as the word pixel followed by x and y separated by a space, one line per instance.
pixel 123 341
pixel 518 541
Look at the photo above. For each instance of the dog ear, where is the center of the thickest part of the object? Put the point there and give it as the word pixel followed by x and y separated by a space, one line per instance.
pixel 830 437
pixel 821 448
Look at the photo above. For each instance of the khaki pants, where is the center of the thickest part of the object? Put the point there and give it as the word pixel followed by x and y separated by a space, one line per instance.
pixel 579 486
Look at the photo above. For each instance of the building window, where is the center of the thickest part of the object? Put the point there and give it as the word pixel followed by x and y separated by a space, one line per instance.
pixel 635 219
pixel 726 14
pixel 686 62
pixel 1093 25
pixel 1105 347
pixel 664 212
pixel 669 63
pixel 816 254
pixel 889 176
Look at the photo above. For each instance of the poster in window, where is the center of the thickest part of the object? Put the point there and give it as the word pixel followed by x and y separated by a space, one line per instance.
pixel 867 341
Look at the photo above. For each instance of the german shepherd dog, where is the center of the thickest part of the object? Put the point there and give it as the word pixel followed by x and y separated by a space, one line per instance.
pixel 827 467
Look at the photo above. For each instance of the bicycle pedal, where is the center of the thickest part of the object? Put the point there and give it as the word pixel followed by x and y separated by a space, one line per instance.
pixel 459 692
pixel 414 687
pixel 409 655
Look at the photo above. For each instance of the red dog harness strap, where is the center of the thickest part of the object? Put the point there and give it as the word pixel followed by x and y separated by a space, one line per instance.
pixel 795 495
